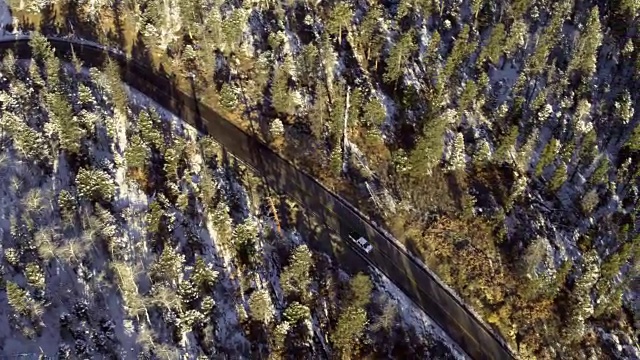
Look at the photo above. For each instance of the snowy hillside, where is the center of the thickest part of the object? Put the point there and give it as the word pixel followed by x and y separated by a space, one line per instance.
pixel 499 141
pixel 126 234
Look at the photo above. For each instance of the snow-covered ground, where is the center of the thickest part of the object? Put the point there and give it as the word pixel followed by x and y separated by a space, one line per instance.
pixel 410 313
pixel 80 308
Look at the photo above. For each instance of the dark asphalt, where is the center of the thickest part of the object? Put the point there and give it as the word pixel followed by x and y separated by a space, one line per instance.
pixel 409 275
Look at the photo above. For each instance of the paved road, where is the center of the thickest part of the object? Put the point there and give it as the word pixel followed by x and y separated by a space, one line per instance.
pixel 388 256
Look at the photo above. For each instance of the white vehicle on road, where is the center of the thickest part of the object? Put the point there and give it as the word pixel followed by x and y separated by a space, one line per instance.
pixel 361 242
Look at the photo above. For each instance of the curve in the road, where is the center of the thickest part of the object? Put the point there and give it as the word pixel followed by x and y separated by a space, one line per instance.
pixel 418 282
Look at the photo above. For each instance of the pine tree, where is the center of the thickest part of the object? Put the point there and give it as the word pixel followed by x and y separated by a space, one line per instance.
pixel 623 108
pixel 203 276
pixel 348 330
pixel 399 56
pixel 9 65
pixel 580 307
pixel 26 140
pixel 297 312
pixel 95 185
pixel 172 161
pixel 361 288
pixel 457 157
pixel 308 63
pixel 169 266
pixel 600 174
pixel 53 70
pixel 277 128
pixel 40 47
pixel 148 125
pixel 137 154
pixel 116 89
pixel 261 306
pixel 504 152
pixel 523 156
pixel 233 28
pixel 462 48
pixel 368 31
pixel 340 18
pixel 69 131
pixel 483 152
pixel 585 56
pixel 590 201
pixel 35 276
pixel 374 112
pixel 559 177
pixel 67 204
pixel 21 302
pixel 548 156
pixel 228 97
pixel 281 98
pixel 222 223
pixel 516 38
pixel 296 277
pixel 634 140
pixel 495 45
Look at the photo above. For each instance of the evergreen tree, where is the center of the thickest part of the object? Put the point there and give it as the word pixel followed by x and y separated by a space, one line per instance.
pixel 374 112
pixel 361 288
pixel 634 140
pixel 516 38
pixel 348 330
pixel 222 223
pixel 297 312
pixel 40 47
pixel 67 204
pixel 228 97
pixel 600 174
pixel 148 125
pixel 95 185
pixel 21 302
pixel 580 307
pixel 623 108
pixel 155 216
pixel 26 140
pixel 35 276
pixel 483 152
pixel 399 56
pixel 585 56
pixel 233 28
pixel 261 306
pixel 296 277
pixel 9 65
pixel 340 18
pixel 308 63
pixel 203 276
pixel 116 89
pixel 457 157
pixel 280 94
pixel 137 154
pixel 69 131
pixel 548 156
pixel 168 267
pixel 368 32
pixel 504 152
pixel 590 201
pixel 462 48
pixel 559 177
pixel 493 49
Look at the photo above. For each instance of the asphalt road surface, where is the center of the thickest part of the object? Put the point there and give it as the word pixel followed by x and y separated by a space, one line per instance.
pixel 390 258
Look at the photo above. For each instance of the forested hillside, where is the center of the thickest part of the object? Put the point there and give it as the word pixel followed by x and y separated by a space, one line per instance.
pixel 499 140
pixel 125 234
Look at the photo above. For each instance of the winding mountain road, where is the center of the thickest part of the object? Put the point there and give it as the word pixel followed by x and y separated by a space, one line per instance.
pixel 389 256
